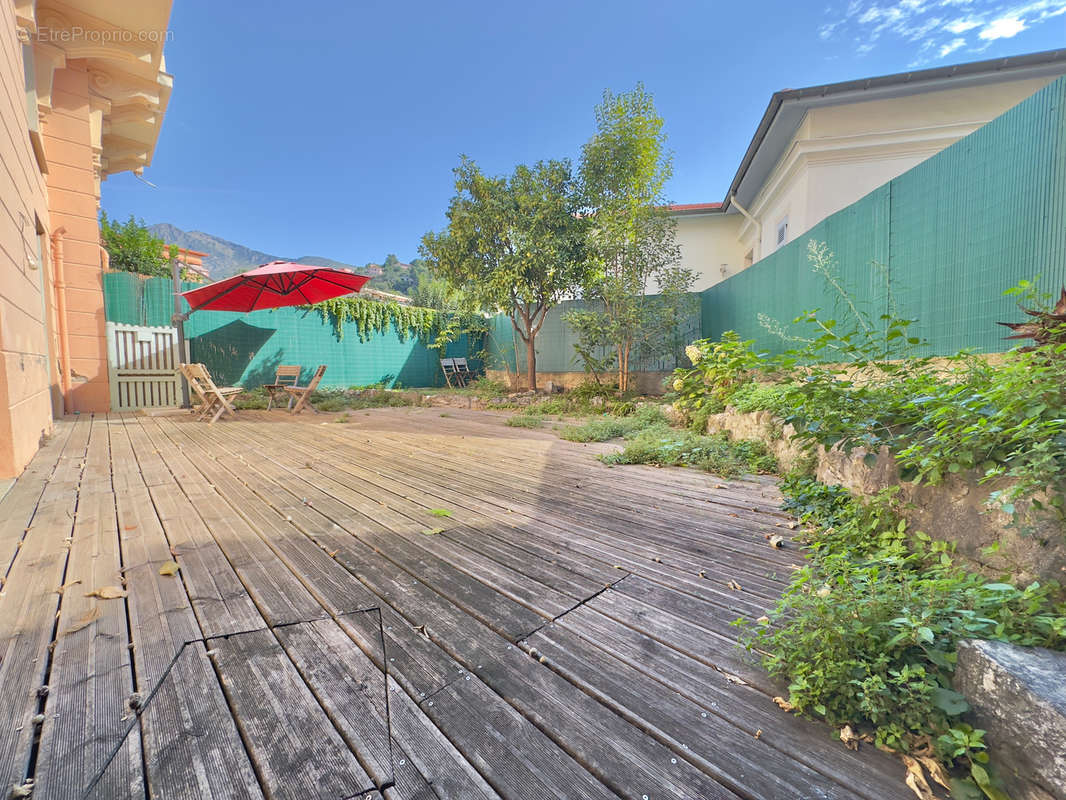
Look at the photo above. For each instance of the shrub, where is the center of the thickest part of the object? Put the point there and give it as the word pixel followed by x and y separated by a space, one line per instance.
pixel 755 396
pixel 603 428
pixel 717 368
pixel 867 631
pixel 525 421
pixel 664 446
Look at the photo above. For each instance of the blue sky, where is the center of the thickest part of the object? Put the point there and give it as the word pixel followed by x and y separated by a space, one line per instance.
pixel 331 128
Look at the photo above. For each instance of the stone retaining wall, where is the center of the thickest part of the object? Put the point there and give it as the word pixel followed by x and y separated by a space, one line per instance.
pixel 953 511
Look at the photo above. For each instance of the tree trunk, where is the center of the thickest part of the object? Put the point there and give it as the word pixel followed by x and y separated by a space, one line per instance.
pixel 531 361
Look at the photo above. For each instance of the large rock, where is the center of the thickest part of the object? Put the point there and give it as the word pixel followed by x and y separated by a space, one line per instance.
pixel 1018 695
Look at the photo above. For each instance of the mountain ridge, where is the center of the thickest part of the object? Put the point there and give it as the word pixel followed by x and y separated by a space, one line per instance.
pixel 225 258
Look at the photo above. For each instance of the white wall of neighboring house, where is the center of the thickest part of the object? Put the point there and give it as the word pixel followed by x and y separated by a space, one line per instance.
pixel 710 246
pixel 843 148
pixel 843 152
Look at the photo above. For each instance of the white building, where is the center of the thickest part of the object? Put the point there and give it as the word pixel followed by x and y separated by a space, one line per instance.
pixel 819 149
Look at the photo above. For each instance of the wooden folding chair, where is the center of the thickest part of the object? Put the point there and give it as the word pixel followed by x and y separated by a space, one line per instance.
pixel 302 394
pixel 286 375
pixel 462 370
pixel 451 375
pixel 214 401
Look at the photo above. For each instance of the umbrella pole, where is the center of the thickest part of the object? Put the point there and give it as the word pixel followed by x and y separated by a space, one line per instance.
pixel 179 323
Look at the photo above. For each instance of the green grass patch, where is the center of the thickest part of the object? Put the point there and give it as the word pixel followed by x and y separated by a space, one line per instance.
pixel 717 453
pixel 605 427
pixel 525 421
pixel 754 396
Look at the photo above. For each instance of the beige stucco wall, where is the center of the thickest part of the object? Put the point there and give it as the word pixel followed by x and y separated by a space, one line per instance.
pixel 26 370
pixel 710 247
pixel 74 206
pixel 841 153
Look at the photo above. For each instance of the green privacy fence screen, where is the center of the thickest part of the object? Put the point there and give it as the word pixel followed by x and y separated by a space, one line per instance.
pixel 245 349
pixel 556 340
pixel 948 237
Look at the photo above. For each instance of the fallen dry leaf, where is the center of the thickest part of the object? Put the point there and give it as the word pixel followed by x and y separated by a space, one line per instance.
pixel 734 586
pixel 67 585
pixel 169 568
pixel 916 779
pixel 783 704
pixel 936 770
pixel 758 733
pixel 107 593
pixel 848 737
pixel 87 619
pixel 433 531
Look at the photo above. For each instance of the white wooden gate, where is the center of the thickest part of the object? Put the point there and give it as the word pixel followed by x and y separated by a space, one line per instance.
pixel 143 366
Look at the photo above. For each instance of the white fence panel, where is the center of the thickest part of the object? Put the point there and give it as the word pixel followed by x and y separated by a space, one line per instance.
pixel 143 366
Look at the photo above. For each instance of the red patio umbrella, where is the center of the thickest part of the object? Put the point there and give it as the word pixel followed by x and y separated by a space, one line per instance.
pixel 279 283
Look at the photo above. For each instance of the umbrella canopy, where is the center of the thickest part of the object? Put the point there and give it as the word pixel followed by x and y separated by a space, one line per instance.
pixel 279 283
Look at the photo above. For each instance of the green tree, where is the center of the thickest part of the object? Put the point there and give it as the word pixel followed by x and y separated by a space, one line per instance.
pixel 131 247
pixel 515 245
pixel 623 172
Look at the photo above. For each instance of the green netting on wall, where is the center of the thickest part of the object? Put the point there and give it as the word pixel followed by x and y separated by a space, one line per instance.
pixel 943 240
pixel 245 349
pixel 555 343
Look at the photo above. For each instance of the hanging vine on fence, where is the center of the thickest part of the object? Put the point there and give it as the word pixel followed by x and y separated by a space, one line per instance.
pixel 374 316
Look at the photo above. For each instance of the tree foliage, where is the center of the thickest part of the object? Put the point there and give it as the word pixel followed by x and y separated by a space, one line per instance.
pixel 513 244
pixel 399 277
pixel 132 248
pixel 624 169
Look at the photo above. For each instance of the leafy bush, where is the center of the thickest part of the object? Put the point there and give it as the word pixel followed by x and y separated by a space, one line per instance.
pixel 664 446
pixel 525 421
pixel 251 399
pixel 717 369
pixel 329 399
pixel 963 413
pixel 756 396
pixel 132 247
pixel 584 404
pixel 603 428
pixel 866 633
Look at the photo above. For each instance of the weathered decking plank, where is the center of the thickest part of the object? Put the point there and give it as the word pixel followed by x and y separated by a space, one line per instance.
pixel 191 745
pixel 91 675
pixel 340 593
pixel 219 599
pixel 296 749
pixel 517 513
pixel 29 604
pixel 293 531
pixel 20 503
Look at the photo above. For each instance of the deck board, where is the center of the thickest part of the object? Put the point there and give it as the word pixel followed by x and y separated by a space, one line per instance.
pixel 566 633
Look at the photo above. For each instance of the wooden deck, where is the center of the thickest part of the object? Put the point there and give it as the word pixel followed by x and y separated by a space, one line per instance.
pixel 566 635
